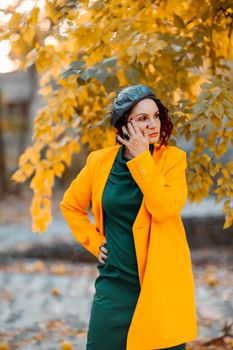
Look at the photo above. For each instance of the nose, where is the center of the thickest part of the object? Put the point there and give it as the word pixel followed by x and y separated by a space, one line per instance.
pixel 151 123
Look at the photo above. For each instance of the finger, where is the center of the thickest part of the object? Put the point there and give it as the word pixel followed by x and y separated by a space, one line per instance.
pixel 125 131
pixel 131 129
pixel 103 249
pixel 135 125
pixel 104 255
pixel 102 261
pixel 138 130
pixel 122 140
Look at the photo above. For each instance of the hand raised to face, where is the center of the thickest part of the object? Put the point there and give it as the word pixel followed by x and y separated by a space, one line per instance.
pixel 138 141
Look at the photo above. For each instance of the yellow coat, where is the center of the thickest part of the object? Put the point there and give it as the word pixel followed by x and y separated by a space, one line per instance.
pixel 165 314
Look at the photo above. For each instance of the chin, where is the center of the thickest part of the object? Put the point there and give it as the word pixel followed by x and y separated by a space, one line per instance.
pixel 153 139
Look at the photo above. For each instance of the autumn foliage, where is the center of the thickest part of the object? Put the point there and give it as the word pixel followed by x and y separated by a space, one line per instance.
pixel 85 52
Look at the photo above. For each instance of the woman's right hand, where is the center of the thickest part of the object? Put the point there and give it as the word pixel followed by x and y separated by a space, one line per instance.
pixel 103 253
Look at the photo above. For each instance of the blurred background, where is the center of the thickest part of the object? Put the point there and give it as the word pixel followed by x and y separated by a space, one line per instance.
pixel 47 280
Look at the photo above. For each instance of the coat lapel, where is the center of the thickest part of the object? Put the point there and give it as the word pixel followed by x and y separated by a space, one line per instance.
pixel 142 225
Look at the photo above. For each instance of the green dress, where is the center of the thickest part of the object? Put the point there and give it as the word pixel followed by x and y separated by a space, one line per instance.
pixel 117 287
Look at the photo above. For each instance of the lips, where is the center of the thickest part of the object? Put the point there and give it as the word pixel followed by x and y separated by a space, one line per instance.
pixel 154 134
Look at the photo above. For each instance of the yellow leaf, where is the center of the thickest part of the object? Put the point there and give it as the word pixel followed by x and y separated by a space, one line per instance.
pixel 49 178
pixel 58 269
pixel 28 169
pixel 65 345
pixel 37 182
pixel 46 90
pixel 4 346
pixel 15 21
pixel 51 11
pixel 74 146
pixel 211 280
pixel 215 121
pixel 228 223
pixel 19 176
pixel 46 202
pixel 222 148
pixel 58 169
pixel 35 157
pixel 35 206
pixel 66 157
pixel 26 156
pixel 55 292
pixel 38 225
pixel 34 15
pixel 151 68
pixel 225 173
pixel 38 266
pixel 28 35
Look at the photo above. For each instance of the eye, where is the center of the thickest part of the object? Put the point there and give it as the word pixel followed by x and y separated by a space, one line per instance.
pixel 142 118
pixel 156 116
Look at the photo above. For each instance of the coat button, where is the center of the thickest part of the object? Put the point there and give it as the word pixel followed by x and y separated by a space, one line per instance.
pixel 143 171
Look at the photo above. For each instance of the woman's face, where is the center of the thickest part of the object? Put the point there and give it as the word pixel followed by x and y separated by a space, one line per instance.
pixel 146 115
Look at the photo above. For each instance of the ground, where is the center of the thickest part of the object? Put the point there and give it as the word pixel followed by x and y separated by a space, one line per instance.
pixel 44 302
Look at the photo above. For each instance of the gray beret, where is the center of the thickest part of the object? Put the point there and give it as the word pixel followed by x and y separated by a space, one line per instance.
pixel 127 98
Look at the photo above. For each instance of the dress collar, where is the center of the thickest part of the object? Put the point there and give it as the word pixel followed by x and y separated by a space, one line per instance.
pixel 122 160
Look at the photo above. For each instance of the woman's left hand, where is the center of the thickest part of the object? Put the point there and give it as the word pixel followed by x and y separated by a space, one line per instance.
pixel 138 141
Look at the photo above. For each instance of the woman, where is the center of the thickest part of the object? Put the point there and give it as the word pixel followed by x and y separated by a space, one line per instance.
pixel 145 297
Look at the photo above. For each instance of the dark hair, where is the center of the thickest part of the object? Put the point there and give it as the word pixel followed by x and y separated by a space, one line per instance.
pixel 166 123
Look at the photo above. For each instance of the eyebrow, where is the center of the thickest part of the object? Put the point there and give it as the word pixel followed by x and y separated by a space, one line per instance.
pixel 157 112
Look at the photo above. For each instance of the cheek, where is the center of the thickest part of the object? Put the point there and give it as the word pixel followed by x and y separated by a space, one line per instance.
pixel 142 126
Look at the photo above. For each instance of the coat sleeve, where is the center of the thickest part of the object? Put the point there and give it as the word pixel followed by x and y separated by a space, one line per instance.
pixel 165 193
pixel 74 207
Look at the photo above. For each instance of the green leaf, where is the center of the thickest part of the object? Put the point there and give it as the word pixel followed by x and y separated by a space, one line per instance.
pixel 168 50
pixel 180 41
pixel 197 61
pixel 109 62
pixel 218 110
pixel 229 113
pixel 204 95
pixel 69 72
pixel 199 123
pixel 82 82
pixel 178 21
pixel 199 108
pixel 206 86
pixel 75 68
pixel 77 64
pixel 205 15
pixel 199 35
pixel 132 75
pixel 87 73
pixel 111 83
pixel 101 74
